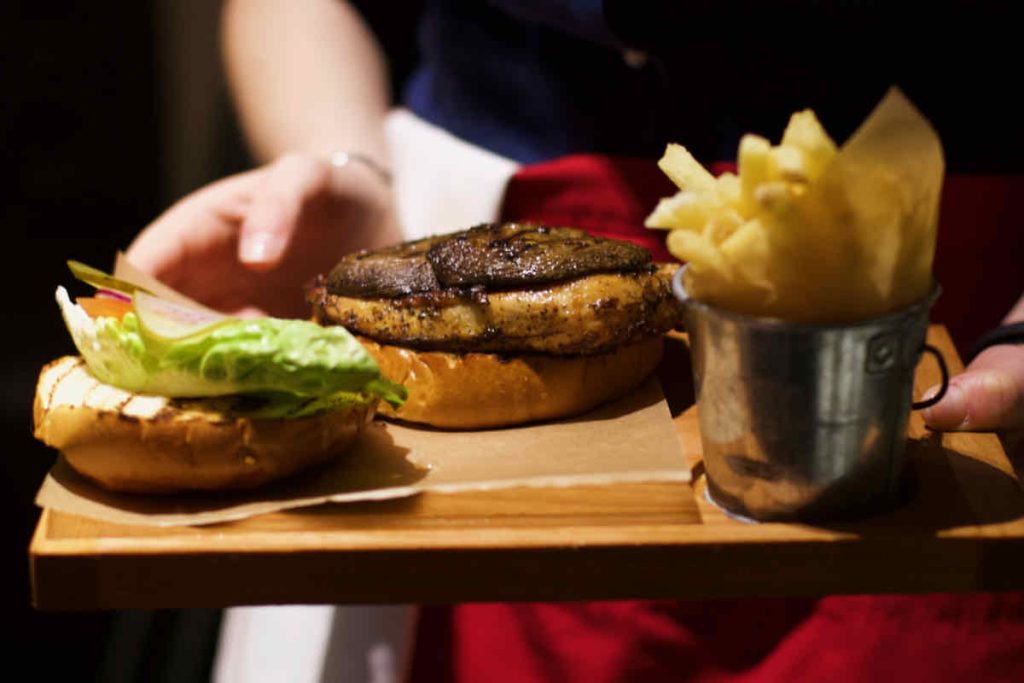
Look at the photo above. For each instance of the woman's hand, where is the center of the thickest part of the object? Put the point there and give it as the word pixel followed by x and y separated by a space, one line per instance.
pixel 988 395
pixel 250 243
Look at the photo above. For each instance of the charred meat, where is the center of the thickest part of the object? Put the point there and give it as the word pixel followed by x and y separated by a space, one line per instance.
pixel 492 256
pixel 391 272
pixel 509 288
pixel 514 255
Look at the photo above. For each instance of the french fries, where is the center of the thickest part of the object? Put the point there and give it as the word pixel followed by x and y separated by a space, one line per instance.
pixel 808 231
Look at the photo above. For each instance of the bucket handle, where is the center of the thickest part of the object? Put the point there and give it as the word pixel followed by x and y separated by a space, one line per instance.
pixel 929 402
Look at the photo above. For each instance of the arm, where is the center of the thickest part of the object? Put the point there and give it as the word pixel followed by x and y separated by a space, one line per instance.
pixel 1016 314
pixel 306 76
pixel 308 80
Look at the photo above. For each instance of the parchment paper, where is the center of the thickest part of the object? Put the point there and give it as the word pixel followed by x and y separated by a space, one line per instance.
pixel 632 439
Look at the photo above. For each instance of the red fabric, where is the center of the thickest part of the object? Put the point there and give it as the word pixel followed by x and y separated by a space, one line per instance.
pixel 979 260
pixel 602 195
pixel 977 637
pixel 934 638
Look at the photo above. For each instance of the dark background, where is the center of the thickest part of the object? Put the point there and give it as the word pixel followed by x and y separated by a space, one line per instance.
pixel 108 112
pixel 81 126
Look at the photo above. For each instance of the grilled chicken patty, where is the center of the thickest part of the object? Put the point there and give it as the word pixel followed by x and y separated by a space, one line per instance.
pixel 502 289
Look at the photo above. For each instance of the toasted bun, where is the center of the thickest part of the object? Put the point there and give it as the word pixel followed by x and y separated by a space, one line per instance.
pixel 151 444
pixel 481 390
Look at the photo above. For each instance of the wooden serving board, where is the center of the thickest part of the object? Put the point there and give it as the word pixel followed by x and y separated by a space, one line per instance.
pixel 963 530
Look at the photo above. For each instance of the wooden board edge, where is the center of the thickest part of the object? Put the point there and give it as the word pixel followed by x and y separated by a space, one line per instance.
pixel 392 577
pixel 36 549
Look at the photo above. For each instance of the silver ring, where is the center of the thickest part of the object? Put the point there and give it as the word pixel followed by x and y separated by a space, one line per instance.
pixel 342 159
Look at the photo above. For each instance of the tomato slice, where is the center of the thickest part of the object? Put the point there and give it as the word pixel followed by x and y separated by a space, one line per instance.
pixel 104 306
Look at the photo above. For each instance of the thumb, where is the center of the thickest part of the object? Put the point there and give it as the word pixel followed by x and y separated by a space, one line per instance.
pixel 980 400
pixel 276 209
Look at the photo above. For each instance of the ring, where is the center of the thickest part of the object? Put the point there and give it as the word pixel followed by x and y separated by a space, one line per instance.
pixel 341 159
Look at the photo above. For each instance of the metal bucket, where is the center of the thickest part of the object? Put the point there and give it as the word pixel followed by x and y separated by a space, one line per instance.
pixel 802 421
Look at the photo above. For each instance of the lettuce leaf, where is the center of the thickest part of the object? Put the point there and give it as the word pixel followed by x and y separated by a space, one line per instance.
pixel 275 405
pixel 267 356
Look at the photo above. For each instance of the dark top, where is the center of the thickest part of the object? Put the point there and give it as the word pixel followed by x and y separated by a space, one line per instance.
pixel 535 79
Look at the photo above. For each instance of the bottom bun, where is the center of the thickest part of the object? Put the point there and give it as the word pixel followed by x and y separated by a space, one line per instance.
pixel 482 390
pixel 151 444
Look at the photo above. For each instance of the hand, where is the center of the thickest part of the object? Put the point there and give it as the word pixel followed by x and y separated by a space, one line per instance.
pixel 987 396
pixel 250 243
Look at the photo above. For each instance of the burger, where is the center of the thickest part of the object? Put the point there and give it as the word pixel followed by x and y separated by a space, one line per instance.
pixel 504 324
pixel 166 397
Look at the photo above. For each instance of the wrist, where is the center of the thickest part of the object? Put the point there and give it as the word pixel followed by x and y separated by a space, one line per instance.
pixel 364 184
pixel 344 159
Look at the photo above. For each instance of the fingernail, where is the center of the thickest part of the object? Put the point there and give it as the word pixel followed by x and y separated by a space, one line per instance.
pixel 931 392
pixel 950 412
pixel 261 247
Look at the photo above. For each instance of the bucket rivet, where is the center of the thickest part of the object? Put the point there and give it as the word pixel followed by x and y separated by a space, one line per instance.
pixel 882 353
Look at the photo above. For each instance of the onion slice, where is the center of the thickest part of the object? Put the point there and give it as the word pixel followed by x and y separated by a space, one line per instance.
pixel 166 320
pixel 113 294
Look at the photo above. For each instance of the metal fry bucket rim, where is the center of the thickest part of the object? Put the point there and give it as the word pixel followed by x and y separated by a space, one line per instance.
pixel 772 323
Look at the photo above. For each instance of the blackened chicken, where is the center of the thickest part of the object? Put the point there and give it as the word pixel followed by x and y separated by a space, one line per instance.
pixel 511 288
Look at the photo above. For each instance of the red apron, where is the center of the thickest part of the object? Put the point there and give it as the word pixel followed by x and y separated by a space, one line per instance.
pixel 976 637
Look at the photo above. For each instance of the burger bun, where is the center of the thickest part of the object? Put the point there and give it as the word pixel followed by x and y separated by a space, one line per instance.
pixel 486 390
pixel 151 444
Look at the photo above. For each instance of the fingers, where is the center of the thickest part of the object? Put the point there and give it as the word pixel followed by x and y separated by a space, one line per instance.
pixel 249 312
pixel 276 208
pixel 989 395
pixel 165 243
